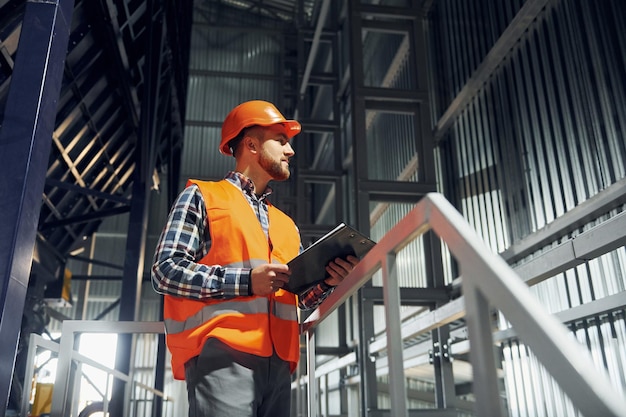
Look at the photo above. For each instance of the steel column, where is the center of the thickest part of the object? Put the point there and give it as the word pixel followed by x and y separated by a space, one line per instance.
pixel 138 221
pixel 25 140
pixel 367 367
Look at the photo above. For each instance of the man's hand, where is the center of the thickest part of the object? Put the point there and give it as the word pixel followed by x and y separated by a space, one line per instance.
pixel 339 269
pixel 268 278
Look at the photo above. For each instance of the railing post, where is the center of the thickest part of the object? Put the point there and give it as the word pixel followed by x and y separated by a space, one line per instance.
pixel 478 319
pixel 310 365
pixel 64 363
pixel 299 407
pixel 35 342
pixel 395 361
pixel 489 284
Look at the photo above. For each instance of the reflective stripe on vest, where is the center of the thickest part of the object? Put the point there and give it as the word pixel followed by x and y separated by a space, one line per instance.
pixel 253 306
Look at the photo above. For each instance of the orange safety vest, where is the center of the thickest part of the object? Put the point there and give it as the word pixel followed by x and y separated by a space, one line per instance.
pixel 251 324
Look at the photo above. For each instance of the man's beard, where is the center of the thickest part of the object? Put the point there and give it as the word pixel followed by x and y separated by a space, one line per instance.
pixel 275 168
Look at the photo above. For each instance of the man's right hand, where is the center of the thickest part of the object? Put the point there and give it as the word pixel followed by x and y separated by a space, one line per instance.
pixel 268 278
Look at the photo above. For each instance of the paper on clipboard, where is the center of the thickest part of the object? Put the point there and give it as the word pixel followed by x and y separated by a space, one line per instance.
pixel 309 267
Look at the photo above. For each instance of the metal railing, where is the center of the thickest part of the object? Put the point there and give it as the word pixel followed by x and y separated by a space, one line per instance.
pixel 487 282
pixel 70 363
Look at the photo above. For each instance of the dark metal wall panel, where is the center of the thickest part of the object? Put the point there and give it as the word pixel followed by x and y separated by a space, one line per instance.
pixel 390 134
pixel 211 98
pixel 387 59
pixel 235 56
pixel 462 32
pixel 254 52
pixel 546 133
pixel 543 134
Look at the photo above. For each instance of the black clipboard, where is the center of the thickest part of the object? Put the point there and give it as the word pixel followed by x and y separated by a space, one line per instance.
pixel 309 267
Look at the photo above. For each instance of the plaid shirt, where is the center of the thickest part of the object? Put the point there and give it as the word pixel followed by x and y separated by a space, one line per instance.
pixel 186 239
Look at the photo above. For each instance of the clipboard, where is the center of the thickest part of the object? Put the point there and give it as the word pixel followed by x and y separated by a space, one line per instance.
pixel 309 267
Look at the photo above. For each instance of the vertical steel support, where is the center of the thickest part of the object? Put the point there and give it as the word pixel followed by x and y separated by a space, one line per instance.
pixel 309 103
pixel 25 139
pixel 445 394
pixel 138 221
pixel 368 387
pixel 301 147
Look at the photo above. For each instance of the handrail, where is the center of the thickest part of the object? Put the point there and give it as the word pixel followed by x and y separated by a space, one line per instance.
pixel 73 328
pixel 37 341
pixel 487 281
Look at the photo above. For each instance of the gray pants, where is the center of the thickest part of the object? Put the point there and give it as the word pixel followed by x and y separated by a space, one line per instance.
pixel 223 382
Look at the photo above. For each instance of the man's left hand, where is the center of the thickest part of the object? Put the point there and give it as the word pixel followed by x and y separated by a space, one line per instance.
pixel 339 269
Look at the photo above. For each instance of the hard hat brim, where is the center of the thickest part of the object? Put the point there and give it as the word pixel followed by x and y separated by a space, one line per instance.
pixel 291 129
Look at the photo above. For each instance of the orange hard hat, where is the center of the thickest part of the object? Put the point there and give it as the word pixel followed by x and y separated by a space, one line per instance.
pixel 251 113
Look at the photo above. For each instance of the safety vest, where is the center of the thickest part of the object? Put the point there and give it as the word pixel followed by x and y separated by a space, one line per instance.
pixel 251 324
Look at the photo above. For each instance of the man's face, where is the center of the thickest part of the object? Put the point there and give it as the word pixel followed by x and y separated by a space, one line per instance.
pixel 275 153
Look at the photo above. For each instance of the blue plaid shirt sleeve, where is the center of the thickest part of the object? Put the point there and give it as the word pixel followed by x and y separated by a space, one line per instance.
pixel 185 240
pixel 314 296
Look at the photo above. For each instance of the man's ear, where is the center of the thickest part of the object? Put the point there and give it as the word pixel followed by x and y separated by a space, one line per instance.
pixel 250 143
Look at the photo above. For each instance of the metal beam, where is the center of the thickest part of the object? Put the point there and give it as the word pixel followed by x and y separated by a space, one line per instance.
pixel 146 277
pixel 371 10
pixel 96 262
pixel 88 191
pixel 590 244
pixel 396 190
pixel 410 296
pixel 232 74
pixel 110 26
pixel 86 218
pixel 25 141
pixel 321 21
pixel 598 205
pixel 581 312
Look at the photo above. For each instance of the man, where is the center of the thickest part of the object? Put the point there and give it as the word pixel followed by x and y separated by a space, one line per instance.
pixel 221 265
